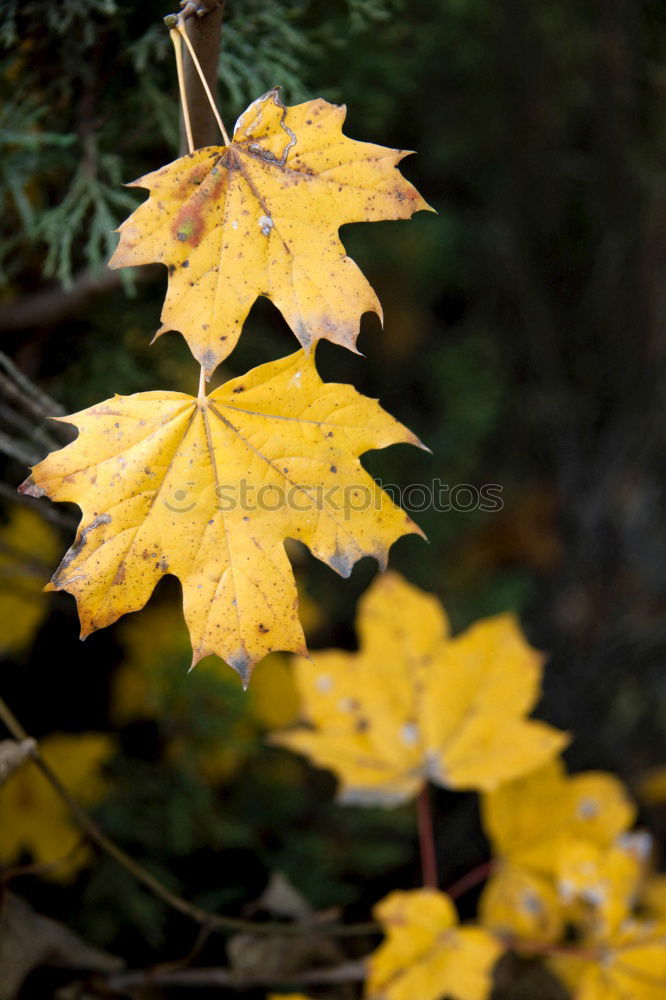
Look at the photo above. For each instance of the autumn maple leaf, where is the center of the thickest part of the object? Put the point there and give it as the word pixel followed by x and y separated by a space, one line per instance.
pixel 34 816
pixel 629 965
pixel 416 705
pixel 27 544
pixel 525 818
pixel 426 955
pixel 618 956
pixel 261 217
pixel 208 489
pixel 530 822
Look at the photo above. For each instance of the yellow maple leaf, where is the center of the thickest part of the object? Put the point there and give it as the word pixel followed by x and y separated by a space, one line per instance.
pixel 600 884
pixel 208 489
pixel 628 965
pixel 426 954
pixel 261 217
pixel 153 643
pixel 415 705
pixel 157 641
pixel 34 817
pixel 27 545
pixel 518 903
pixel 530 822
pixel 526 817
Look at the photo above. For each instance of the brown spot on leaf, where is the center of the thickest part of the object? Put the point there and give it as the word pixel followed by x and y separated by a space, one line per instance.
pixel 80 542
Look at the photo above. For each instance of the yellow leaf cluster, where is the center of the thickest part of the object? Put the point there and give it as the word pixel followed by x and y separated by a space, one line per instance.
pixel 161 479
pixel 160 476
pixel 415 704
pixel 537 826
pixel 34 817
pixel 568 863
pixel 261 217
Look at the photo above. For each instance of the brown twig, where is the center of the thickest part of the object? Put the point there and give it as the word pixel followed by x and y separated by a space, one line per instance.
pixel 345 972
pixel 15 449
pixel 52 305
pixel 215 921
pixel 427 839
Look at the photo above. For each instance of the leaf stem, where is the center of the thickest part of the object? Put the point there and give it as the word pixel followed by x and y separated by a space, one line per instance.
pixel 472 878
pixel 202 383
pixel 427 839
pixel 204 83
pixel 214 921
pixel 175 35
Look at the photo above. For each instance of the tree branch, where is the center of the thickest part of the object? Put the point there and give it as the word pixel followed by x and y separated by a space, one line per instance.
pixel 55 304
pixel 345 972
pixel 214 921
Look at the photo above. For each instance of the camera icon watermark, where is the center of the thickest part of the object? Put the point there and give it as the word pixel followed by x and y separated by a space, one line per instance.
pixel 180 501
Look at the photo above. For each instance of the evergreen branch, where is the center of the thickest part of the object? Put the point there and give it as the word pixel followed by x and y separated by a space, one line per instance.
pixel 55 304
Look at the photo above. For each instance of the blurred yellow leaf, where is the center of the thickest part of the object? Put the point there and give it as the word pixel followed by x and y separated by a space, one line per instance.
pixel 415 705
pixel 153 643
pixel 550 834
pixel 261 217
pixel 150 684
pixel 629 965
pixel 28 546
pixel 525 818
pixel 162 480
pixel 273 697
pixel 600 884
pixel 426 955
pixel 517 903
pixel 653 897
pixel 34 817
pixel 287 996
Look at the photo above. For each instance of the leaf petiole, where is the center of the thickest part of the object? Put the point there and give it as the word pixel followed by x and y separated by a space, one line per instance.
pixel 204 83
pixel 177 45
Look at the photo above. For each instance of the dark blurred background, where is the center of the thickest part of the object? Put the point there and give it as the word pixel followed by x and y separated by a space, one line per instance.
pixel 524 342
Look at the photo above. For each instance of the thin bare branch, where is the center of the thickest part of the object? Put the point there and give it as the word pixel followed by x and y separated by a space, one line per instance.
pixel 14 449
pixel 345 972
pixel 216 921
pixel 55 304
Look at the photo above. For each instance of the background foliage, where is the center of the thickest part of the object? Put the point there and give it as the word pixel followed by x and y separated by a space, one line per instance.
pixel 524 342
